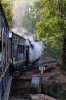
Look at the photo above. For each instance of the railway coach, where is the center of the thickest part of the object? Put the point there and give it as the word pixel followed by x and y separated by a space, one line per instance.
pixel 12 52
pixel 18 52
pixel 5 53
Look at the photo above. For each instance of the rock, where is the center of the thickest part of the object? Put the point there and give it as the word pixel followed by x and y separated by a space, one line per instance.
pixel 58 64
pixel 56 89
pixel 53 77
pixel 49 69
pixel 45 86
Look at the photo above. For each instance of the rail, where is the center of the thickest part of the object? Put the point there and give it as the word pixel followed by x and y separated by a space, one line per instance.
pixel 48 62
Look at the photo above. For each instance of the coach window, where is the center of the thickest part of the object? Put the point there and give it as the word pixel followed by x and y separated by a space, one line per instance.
pixel 8 50
pixel 15 43
pixel 0 51
pixel 3 50
pixel 6 47
pixel 7 31
pixel 0 21
pixel 17 48
pixel 4 25
pixel 5 41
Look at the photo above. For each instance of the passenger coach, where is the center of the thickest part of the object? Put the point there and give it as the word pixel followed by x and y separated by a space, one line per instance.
pixel 18 51
pixel 5 53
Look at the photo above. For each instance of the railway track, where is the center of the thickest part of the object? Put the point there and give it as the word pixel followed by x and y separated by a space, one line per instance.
pixel 21 84
pixel 25 97
pixel 30 67
pixel 48 62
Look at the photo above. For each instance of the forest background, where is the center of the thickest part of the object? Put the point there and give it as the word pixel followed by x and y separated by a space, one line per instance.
pixel 45 19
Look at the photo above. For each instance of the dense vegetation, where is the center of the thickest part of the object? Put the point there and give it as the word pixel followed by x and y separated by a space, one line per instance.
pixel 30 18
pixel 45 18
pixel 7 6
pixel 48 18
pixel 52 24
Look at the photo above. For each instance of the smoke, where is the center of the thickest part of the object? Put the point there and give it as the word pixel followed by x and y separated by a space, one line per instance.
pixel 36 48
pixel 19 8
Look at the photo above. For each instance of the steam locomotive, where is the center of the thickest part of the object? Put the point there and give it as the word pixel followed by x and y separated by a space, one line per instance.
pixel 14 54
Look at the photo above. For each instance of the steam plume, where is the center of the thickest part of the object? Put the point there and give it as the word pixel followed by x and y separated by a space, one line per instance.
pixel 19 8
pixel 35 48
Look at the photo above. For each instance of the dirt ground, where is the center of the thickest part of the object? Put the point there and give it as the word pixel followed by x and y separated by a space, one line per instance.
pixel 56 74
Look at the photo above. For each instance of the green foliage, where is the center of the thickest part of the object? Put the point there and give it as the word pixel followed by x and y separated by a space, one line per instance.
pixel 30 18
pixel 28 22
pixel 52 24
pixel 7 6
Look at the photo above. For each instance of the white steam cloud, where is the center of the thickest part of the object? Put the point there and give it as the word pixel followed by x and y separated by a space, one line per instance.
pixel 35 48
pixel 19 8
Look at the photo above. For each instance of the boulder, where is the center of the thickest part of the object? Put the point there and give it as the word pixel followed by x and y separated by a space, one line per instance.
pixel 56 89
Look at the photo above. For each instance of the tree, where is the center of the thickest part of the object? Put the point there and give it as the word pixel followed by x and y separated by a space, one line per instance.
pixel 30 19
pixel 7 6
pixel 52 24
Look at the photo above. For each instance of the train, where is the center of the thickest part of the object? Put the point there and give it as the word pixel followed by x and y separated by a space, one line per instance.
pixel 14 53
pixel 20 55
pixel 4 46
